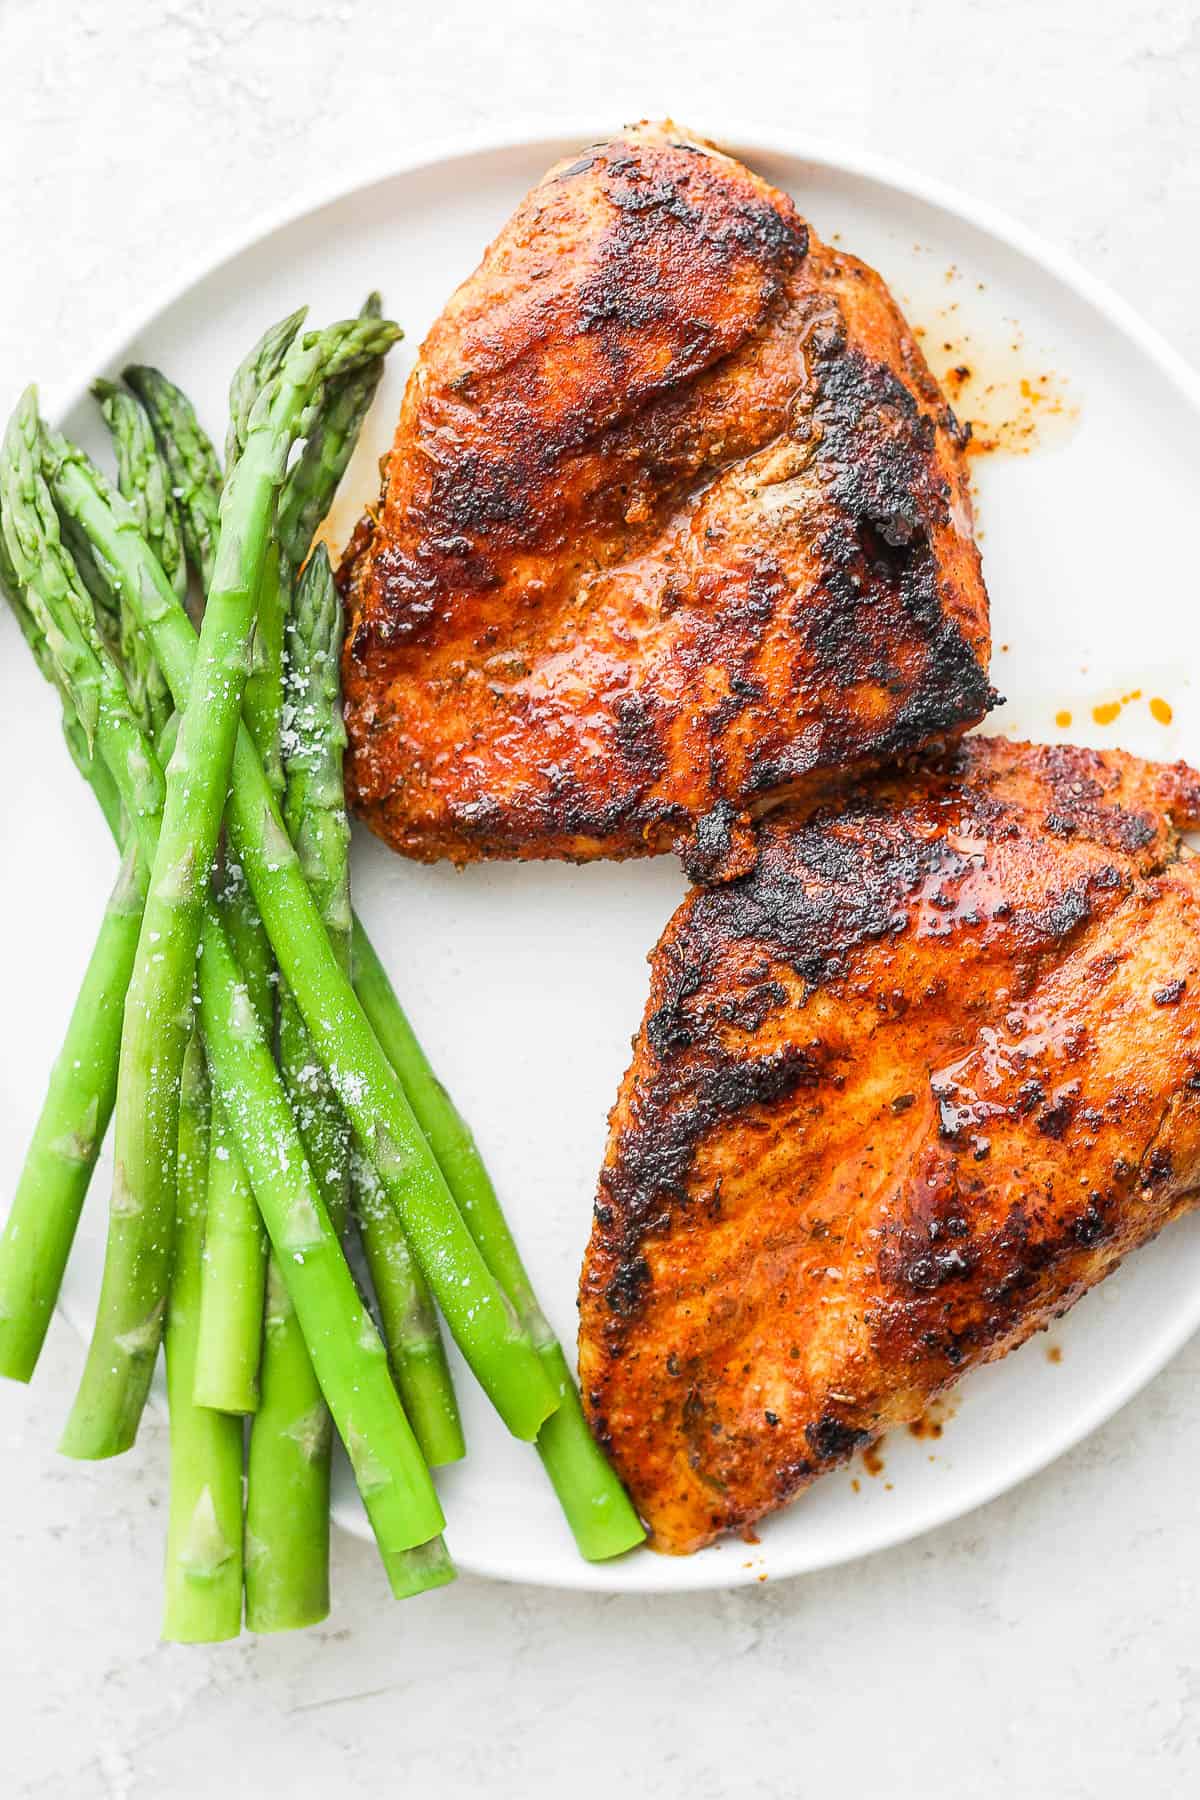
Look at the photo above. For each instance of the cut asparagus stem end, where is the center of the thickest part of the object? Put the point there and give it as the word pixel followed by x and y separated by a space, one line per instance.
pixel 597 1508
pixel 416 1571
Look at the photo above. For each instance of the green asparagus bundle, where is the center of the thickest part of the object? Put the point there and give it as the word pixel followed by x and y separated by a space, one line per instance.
pixel 350 1359
pixel 353 1122
pixel 120 1361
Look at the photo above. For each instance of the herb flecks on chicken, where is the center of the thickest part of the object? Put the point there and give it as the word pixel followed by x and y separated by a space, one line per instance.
pixel 676 521
pixel 902 1094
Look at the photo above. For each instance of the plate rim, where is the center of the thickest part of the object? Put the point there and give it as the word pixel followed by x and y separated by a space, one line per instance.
pixel 842 158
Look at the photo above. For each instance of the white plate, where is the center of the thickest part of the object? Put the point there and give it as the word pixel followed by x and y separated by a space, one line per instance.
pixel 525 983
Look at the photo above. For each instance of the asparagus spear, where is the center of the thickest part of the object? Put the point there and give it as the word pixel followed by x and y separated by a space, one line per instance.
pixel 306 498
pixel 120 1359
pixel 479 1315
pixel 143 480
pixel 57 1171
pixel 96 580
pixel 233 1281
pixel 235 1250
pixel 259 367
pixel 204 1528
pixel 62 613
pixel 312 483
pixel 287 1478
pixel 263 704
pixel 314 813
pixel 234 1277
pixel 191 462
pixel 596 1505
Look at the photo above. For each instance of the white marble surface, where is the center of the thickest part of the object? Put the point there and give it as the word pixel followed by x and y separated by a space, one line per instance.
pixel 1047 1645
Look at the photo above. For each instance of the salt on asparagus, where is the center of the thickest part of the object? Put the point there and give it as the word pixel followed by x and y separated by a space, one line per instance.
pixel 287 1491
pixel 391 1473
pixel 234 1272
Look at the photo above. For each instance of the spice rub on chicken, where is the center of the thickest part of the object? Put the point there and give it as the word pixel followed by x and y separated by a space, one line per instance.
pixel 902 1094
pixel 675 523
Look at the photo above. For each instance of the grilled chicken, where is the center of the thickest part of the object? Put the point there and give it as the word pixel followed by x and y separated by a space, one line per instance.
pixel 675 522
pixel 901 1095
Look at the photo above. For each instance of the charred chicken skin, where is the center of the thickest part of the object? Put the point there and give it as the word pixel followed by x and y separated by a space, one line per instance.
pixel 902 1094
pixel 675 523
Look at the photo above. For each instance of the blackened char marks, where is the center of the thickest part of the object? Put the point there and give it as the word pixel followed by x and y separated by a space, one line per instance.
pixel 1090 794
pixel 636 735
pixel 722 845
pixel 814 896
pixel 831 1440
pixel 687 266
pixel 680 238
pixel 878 448
pixel 562 799
pixel 880 580
pixel 649 1178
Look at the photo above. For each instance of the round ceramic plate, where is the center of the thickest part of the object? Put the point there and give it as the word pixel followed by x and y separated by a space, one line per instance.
pixel 525 983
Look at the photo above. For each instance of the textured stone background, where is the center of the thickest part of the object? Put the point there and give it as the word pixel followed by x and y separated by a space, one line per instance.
pixel 1047 1645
